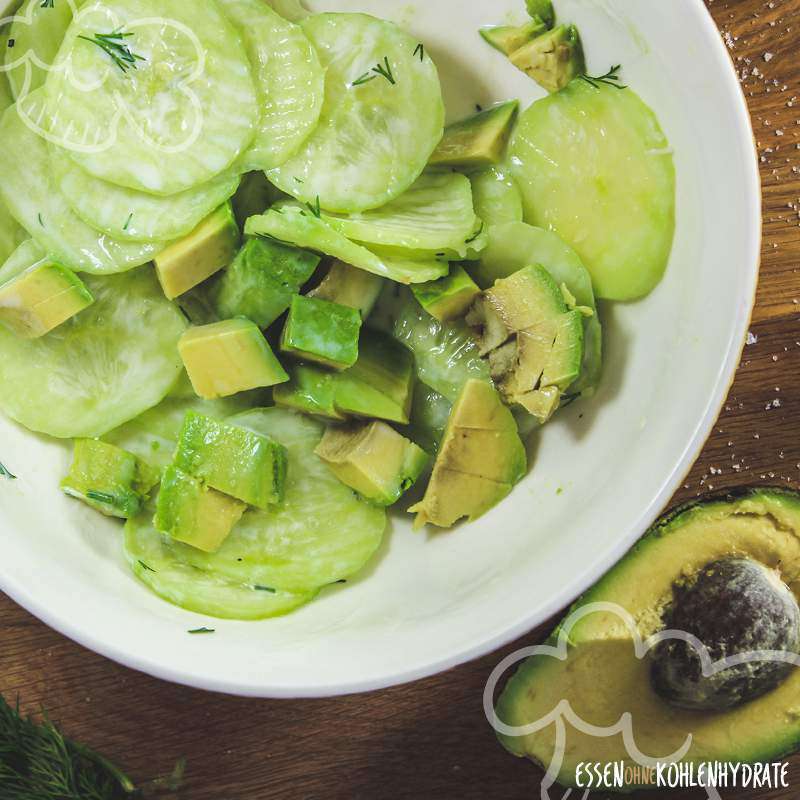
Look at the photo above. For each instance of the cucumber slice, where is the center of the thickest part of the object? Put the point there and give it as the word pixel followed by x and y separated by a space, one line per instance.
pixel 496 196
pixel 183 115
pixel 6 98
pixel 11 234
pixel 320 534
pixel 37 30
pixel 445 353
pixel 301 228
pixel 129 215
pixel 290 82
pixel 31 192
pixel 429 416
pixel 376 132
pixel 594 166
pixel 101 368
pixel 156 564
pixel 153 436
pixel 515 245
pixel 291 10
pixel 24 256
pixel 434 217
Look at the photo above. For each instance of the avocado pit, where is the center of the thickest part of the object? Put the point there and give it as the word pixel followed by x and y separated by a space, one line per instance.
pixel 733 606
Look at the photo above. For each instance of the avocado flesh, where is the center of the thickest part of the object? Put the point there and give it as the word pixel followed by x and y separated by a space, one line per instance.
pixel 602 679
pixel 373 459
pixel 509 38
pixel 447 298
pixel 480 459
pixel 261 281
pixel 350 286
pixel 232 460
pixel 210 247
pixel 479 141
pixel 554 59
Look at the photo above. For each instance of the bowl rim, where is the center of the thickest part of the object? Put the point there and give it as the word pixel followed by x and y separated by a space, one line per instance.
pixel 572 589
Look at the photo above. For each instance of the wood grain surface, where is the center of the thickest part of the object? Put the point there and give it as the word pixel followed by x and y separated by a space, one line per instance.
pixel 429 740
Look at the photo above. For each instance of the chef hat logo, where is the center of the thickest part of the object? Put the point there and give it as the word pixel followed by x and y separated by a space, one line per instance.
pixel 564 713
pixel 99 127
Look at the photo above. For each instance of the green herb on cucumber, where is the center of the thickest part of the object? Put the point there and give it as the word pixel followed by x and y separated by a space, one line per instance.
pixel 6 473
pixel 195 631
pixel 420 51
pixel 611 78
pixel 383 70
pixel 47 4
pixel 113 44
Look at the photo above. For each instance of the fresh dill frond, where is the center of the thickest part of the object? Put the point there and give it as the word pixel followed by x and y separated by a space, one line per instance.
pixel 365 78
pixel 611 78
pixel 145 566
pixel 264 589
pixel 101 497
pixel 6 473
pixel 315 208
pixel 128 222
pixel 476 234
pixel 379 70
pixel 47 4
pixel 420 51
pixel 41 220
pixel 113 44
pixel 202 630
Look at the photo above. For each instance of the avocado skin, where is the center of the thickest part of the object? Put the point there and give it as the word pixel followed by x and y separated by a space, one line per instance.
pixel 732 606
pixel 783 743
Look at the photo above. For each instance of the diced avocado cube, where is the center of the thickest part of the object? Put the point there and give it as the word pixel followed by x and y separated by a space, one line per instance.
pixel 42 298
pixel 211 246
pixel 109 479
pixel 543 10
pixel 552 60
pixel 479 141
pixel 310 390
pixel 449 297
pixel 321 331
pixel 373 459
pixel 229 357
pixel 262 280
pixel 350 286
pixel 381 383
pixel 508 38
pixel 232 460
pixel 195 514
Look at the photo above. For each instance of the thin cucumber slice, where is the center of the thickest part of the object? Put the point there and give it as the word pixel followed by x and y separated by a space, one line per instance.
pixel 379 123
pixel 445 353
pixel 129 215
pixel 320 534
pixel 429 416
pixel 32 194
pixel 153 436
pixel 11 234
pixel 291 10
pixel 184 115
pixel 301 228
pixel 156 564
pixel 434 217
pixel 515 245
pixel 6 98
pixel 496 196
pixel 37 31
pixel 23 257
pixel 290 82
pixel 594 166
pixel 99 369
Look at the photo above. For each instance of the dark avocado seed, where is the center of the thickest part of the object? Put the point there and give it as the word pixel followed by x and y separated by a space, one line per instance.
pixel 732 606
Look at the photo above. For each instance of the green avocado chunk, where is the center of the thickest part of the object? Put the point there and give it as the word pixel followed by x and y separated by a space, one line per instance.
pixel 373 459
pixel 210 247
pixel 479 141
pixel 232 460
pixel 533 341
pixel 380 385
pixel 603 679
pixel 40 299
pixel 508 38
pixel 350 286
pixel 449 297
pixel 191 512
pixel 480 459
pixel 554 59
pixel 321 331
pixel 109 479
pixel 261 281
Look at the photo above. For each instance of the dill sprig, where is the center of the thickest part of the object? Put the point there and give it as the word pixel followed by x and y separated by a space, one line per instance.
pixel 47 4
pixel 476 234
pixel 611 78
pixel 315 208
pixel 201 630
pixel 113 44
pixel 420 50
pixel 379 70
pixel 101 497
pixel 6 473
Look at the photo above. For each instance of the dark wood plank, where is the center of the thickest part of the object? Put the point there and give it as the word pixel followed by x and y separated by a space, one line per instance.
pixel 429 740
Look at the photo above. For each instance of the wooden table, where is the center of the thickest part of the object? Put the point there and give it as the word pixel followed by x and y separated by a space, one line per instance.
pixel 429 740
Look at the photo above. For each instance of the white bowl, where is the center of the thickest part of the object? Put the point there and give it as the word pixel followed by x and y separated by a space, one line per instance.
pixel 603 471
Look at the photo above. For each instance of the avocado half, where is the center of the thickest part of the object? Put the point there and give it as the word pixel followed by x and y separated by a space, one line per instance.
pixel 601 676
